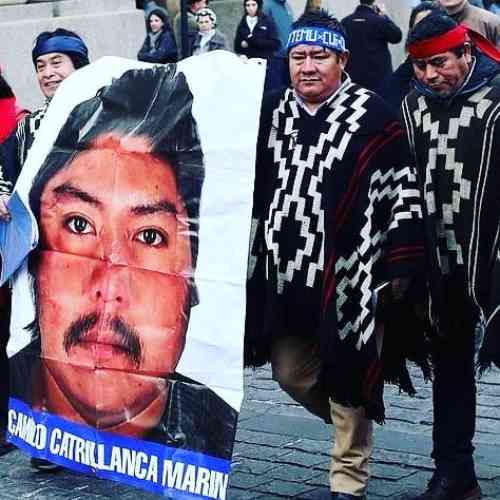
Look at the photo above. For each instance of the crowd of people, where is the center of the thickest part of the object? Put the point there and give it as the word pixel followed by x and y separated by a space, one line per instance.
pixel 386 184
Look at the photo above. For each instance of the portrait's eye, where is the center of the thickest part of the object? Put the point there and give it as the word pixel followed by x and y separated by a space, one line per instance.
pixel 152 237
pixel 79 225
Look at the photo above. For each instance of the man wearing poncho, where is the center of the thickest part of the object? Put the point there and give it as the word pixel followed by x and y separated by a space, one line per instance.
pixel 336 215
pixel 452 121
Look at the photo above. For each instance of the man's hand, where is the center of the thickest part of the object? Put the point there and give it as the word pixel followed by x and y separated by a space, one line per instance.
pixel 244 44
pixel 4 211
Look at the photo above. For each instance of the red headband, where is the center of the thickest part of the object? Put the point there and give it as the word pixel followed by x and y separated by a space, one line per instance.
pixel 450 40
pixel 438 44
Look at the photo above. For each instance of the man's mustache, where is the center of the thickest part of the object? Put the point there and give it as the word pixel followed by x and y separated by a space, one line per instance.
pixel 127 335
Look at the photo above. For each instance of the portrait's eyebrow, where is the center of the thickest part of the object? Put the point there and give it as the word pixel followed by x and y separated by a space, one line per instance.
pixel 164 206
pixel 67 190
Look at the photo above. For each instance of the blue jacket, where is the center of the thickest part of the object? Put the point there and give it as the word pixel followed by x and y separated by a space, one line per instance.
pixel 368 36
pixel 164 50
pixel 282 16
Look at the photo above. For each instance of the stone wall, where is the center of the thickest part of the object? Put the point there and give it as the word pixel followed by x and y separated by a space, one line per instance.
pixel 109 27
pixel 115 27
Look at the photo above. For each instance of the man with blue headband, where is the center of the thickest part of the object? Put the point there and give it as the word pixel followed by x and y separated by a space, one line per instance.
pixel 56 55
pixel 336 231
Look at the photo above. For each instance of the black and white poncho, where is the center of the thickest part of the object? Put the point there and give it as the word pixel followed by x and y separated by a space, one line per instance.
pixel 336 214
pixel 457 146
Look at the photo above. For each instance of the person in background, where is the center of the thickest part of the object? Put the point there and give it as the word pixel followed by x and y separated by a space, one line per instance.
pixel 479 20
pixel 208 38
pixel 7 109
pixel 282 15
pixel 56 55
pixel 159 45
pixel 8 123
pixel 312 5
pixel 369 31
pixel 495 7
pixel 193 7
pixel 397 85
pixel 256 35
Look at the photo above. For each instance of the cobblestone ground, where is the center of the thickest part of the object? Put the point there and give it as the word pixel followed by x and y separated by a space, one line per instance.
pixel 283 452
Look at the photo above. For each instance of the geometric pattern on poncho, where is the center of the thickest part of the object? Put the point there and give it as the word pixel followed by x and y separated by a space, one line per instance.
pixel 356 286
pixel 297 203
pixel 443 161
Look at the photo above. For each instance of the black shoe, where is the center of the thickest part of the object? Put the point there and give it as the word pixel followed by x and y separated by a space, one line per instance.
pixel 44 465
pixel 443 488
pixel 346 496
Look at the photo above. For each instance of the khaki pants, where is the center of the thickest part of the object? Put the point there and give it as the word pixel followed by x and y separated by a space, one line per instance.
pixel 296 366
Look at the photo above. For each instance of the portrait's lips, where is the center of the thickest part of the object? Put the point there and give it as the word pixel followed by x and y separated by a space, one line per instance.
pixel 104 345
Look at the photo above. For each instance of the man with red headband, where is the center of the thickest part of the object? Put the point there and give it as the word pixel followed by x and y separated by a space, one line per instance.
pixel 452 120
pixel 336 216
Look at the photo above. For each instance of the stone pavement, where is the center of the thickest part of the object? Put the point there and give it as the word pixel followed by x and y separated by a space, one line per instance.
pixel 282 452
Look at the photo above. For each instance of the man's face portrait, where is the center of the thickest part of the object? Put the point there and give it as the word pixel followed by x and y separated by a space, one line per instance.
pixel 112 282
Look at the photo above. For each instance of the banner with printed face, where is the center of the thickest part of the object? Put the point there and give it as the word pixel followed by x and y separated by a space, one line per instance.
pixel 131 221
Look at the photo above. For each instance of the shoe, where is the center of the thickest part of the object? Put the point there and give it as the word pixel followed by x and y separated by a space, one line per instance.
pixel 346 496
pixel 444 488
pixel 44 465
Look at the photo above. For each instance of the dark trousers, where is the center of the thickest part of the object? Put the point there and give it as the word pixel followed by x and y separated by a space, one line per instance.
pixel 4 364
pixel 454 396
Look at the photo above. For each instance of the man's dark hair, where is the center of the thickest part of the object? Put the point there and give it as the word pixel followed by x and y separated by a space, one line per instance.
pixel 425 5
pixel 78 60
pixel 366 2
pixel 155 103
pixel 320 19
pixel 435 24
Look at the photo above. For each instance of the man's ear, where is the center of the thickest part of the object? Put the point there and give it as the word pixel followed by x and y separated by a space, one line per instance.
pixel 468 52
pixel 343 58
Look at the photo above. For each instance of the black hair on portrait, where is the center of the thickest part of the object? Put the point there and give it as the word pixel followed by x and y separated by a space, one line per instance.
pixel 154 102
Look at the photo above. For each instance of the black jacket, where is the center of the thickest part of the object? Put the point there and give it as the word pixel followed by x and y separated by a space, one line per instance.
pixel 397 85
pixel 164 50
pixel 264 40
pixel 368 34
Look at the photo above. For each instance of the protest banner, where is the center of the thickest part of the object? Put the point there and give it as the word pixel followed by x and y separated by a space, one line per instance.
pixel 131 221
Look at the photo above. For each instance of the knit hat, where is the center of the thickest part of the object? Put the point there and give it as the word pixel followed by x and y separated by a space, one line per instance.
pixel 207 12
pixel 63 41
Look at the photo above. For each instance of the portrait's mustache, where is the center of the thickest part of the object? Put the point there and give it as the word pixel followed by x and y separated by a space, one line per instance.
pixel 127 336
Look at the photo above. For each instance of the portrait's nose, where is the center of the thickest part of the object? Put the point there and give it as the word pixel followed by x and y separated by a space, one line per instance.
pixel 111 285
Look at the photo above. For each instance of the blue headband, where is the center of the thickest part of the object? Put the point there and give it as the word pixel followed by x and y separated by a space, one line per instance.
pixel 60 43
pixel 314 35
